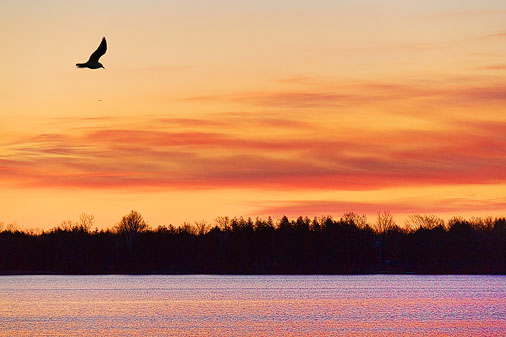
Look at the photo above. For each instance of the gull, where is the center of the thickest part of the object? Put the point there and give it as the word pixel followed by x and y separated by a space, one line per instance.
pixel 93 63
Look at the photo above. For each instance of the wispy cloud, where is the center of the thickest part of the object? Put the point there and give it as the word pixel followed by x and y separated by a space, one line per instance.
pixel 235 121
pixel 498 35
pixel 494 67
pixel 454 92
pixel 336 208
pixel 465 153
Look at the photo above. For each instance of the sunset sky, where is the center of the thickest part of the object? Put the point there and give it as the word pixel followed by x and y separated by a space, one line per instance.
pixel 251 108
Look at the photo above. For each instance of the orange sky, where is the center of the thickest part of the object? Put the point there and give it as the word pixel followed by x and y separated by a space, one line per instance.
pixel 219 108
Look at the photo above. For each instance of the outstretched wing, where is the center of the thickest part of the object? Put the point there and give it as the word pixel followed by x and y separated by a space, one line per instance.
pixel 99 52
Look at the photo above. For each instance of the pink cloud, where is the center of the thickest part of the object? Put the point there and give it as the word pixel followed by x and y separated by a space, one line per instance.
pixel 236 121
pixel 228 151
pixel 313 208
pixel 496 35
pixel 471 152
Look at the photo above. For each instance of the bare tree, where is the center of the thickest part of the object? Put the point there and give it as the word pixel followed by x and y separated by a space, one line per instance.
pixel 130 225
pixel 223 223
pixel 430 221
pixel 359 220
pixel 66 225
pixel 86 221
pixel 201 227
pixel 187 228
pixel 385 222
pixel 486 223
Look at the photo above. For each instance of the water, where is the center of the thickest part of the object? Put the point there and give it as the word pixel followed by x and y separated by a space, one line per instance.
pixel 201 305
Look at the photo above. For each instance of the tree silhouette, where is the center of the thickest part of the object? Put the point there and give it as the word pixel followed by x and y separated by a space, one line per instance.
pixel 384 222
pixel 322 245
pixel 86 221
pixel 416 221
pixel 130 225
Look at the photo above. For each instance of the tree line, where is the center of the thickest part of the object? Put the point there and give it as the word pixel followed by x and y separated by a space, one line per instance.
pixel 321 245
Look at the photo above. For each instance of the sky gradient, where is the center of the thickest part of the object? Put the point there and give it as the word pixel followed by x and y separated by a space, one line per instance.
pixel 216 108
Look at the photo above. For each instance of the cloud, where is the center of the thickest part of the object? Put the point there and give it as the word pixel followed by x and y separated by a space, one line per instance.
pixel 493 67
pixel 313 208
pixel 464 152
pixel 279 149
pixel 236 121
pixel 499 35
pixel 439 94
pixel 300 99
pixel 84 118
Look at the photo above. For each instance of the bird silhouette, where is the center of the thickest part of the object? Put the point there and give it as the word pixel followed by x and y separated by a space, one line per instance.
pixel 93 63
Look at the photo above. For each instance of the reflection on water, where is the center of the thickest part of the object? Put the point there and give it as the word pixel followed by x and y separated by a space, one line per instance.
pixel 373 305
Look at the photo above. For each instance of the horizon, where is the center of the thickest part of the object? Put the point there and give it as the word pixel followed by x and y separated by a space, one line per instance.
pixel 412 223
pixel 257 109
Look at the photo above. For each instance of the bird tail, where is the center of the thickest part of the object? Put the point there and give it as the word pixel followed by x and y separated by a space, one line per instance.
pixel 81 65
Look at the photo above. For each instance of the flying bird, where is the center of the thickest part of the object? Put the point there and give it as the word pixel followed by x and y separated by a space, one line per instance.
pixel 93 63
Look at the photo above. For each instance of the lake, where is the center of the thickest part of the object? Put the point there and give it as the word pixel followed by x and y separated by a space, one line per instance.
pixel 204 305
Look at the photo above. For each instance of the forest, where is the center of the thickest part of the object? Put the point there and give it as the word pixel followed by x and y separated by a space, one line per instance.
pixel 425 244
